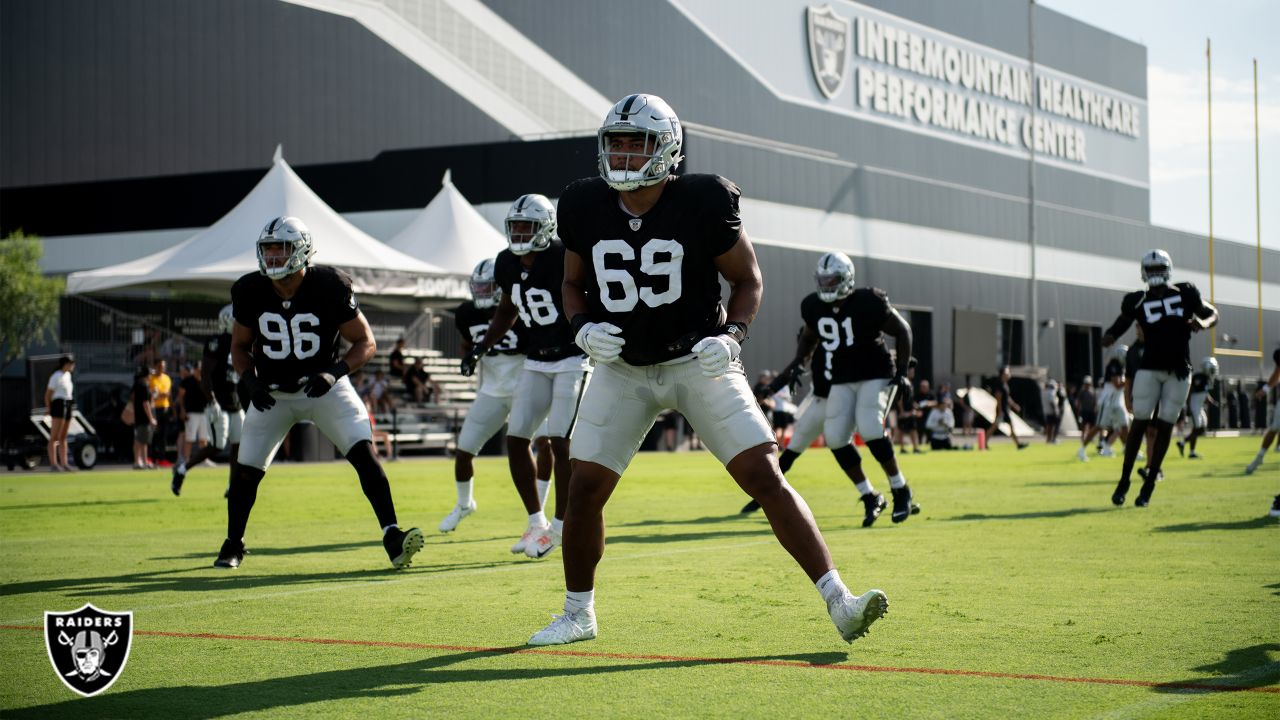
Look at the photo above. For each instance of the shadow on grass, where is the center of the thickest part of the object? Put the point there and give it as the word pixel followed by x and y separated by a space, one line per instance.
pixel 433 541
pixel 661 537
pixel 83 504
pixel 1249 667
pixel 1033 515
pixel 383 681
pixel 705 520
pixel 1073 483
pixel 1275 586
pixel 1250 524
pixel 208 578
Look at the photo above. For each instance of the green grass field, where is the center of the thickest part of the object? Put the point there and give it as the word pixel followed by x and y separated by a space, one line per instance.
pixel 1018 591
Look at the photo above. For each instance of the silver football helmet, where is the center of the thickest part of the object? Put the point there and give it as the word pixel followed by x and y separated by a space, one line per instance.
pixel 484 287
pixel 1157 267
pixel 298 250
pixel 226 319
pixel 641 126
pixel 1209 366
pixel 834 277
pixel 1119 352
pixel 531 224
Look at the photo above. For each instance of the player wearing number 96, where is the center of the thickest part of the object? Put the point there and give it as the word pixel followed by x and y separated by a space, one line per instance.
pixel 284 344
pixel 530 272
pixel 645 253
pixel 1168 313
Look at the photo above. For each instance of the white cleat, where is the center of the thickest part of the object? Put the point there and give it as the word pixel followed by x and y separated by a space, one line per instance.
pixel 532 532
pixel 1081 456
pixel 567 628
pixel 450 521
pixel 1107 452
pixel 542 544
pixel 1251 468
pixel 853 616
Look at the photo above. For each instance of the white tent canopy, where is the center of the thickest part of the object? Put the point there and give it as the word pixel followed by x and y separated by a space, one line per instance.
pixel 221 253
pixel 450 232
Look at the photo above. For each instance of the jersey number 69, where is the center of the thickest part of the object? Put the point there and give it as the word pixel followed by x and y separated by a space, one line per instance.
pixel 609 278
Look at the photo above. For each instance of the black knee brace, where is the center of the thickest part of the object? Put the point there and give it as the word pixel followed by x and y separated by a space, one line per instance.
pixel 244 481
pixel 848 458
pixel 881 449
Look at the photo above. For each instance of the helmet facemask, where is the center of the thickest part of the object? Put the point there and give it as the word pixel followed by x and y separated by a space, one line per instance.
pixel 284 248
pixel 226 319
pixel 530 224
pixel 485 292
pixel 834 277
pixel 1157 268
pixel 638 143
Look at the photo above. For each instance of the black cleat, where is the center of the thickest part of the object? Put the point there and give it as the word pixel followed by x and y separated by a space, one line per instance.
pixel 875 504
pixel 231 554
pixel 1023 446
pixel 402 546
pixel 1122 489
pixel 1149 481
pixel 1182 448
pixel 749 508
pixel 176 483
pixel 903 506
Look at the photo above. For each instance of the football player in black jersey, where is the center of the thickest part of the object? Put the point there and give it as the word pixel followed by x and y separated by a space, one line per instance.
pixel 288 318
pixel 225 413
pixel 646 251
pixel 813 409
pixel 1200 383
pixel 555 372
pixel 499 370
pixel 1273 427
pixel 851 324
pixel 1168 314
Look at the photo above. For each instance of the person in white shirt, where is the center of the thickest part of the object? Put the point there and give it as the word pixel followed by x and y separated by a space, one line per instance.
pixel 58 398
pixel 939 424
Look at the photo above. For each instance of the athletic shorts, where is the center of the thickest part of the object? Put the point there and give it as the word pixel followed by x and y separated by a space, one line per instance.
pixel 1199 418
pixel 339 414
pixel 61 409
pixel 1275 418
pixel 484 418
pixel 550 396
pixel 809 420
pixel 860 406
pixel 197 428
pixel 622 402
pixel 1162 389
pixel 224 427
pixel 1112 412
pixel 906 421
pixel 143 432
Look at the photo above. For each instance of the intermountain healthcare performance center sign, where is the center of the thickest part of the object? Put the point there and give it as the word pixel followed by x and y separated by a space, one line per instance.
pixel 878 67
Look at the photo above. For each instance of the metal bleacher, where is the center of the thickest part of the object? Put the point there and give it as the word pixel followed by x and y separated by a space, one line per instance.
pixel 426 426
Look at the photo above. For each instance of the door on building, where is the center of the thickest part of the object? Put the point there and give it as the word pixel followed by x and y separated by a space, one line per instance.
pixel 1083 344
pixel 921 322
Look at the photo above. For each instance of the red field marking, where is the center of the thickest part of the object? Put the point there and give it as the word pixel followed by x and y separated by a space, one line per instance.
pixel 525 650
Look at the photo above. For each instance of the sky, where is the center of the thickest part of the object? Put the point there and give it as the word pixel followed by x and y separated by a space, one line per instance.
pixel 1174 33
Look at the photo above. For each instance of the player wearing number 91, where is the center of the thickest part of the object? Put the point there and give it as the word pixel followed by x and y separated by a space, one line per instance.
pixel 284 345
pixel 645 253
pixel 1167 313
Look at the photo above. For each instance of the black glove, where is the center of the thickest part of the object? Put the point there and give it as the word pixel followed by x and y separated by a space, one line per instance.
pixel 320 383
pixel 258 392
pixel 468 365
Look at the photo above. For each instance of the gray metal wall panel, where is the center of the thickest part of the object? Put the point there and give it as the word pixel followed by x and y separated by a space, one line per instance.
pixel 155 87
pixel 1111 60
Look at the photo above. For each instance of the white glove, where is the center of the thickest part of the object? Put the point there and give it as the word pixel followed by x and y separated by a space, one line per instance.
pixel 716 353
pixel 600 341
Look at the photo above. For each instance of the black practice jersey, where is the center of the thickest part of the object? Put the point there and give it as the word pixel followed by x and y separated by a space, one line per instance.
pixel 536 293
pixel 1163 312
pixel 818 370
pixel 850 331
pixel 220 373
pixel 295 338
pixel 193 397
pixel 1114 369
pixel 473 324
pixel 1199 383
pixel 1133 359
pixel 654 276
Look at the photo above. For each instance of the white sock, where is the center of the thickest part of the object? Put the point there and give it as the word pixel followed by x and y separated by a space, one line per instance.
pixel 557 524
pixel 575 601
pixel 464 493
pixel 543 487
pixel 537 518
pixel 864 487
pixel 182 467
pixel 1262 455
pixel 387 529
pixel 897 481
pixel 831 586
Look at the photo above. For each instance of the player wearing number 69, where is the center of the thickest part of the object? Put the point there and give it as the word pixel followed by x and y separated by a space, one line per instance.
pixel 645 253
pixel 1168 314
pixel 284 345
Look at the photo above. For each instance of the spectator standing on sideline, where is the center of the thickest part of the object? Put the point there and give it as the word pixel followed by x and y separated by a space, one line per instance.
pixel 144 419
pixel 161 386
pixel 59 399
pixel 1052 399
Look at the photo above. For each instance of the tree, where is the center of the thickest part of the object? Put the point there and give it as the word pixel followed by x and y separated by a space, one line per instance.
pixel 28 300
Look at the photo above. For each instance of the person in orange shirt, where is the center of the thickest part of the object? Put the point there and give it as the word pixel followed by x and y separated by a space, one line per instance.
pixel 161 387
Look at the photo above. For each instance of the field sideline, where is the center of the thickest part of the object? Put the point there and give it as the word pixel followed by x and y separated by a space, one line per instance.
pixel 1018 591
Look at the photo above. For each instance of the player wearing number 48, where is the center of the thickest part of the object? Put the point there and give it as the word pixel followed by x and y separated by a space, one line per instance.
pixel 284 344
pixel 644 254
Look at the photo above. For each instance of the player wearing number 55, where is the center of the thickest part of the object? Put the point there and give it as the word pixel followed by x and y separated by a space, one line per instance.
pixel 645 251
pixel 284 344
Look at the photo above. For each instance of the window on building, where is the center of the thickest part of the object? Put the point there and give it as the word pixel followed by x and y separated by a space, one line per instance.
pixel 1011 343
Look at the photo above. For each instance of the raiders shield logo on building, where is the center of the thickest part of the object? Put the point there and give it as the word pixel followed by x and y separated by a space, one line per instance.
pixel 88 647
pixel 828 48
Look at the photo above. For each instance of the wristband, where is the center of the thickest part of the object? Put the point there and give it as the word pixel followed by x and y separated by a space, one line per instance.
pixel 735 330
pixel 339 370
pixel 578 322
